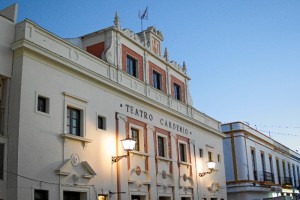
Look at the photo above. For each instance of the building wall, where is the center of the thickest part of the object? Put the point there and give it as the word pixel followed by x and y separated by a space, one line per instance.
pixel 266 182
pixel 43 156
pixel 7 30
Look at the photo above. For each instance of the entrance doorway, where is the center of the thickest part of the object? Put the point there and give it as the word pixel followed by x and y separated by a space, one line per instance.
pixel 138 197
pixel 164 198
pixel 71 195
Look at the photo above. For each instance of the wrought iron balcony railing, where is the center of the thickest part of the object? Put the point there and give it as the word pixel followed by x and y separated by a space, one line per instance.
pixel 268 176
pixel 287 181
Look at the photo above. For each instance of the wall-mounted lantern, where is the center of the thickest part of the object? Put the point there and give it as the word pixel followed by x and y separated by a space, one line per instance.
pixel 211 166
pixel 128 145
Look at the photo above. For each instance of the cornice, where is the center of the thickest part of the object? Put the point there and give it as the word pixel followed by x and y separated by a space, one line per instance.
pixel 26 46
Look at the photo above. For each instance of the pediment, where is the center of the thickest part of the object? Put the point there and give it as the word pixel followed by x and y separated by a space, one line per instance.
pixel 73 166
pixel 89 172
pixel 164 179
pixel 186 181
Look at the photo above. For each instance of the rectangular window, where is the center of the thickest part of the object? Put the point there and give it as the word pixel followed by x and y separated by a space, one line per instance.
pixel 271 164
pixel 40 195
pixel 135 136
pixel 278 171
pixel 101 122
pixel 271 168
pixel 283 169
pixel 219 158
pixel 177 92
pixel 298 173
pixel 161 146
pixel 131 66
pixel 43 104
pixel 210 156
pixel 289 170
pixel 73 121
pixel 294 175
pixel 156 80
pixel 254 164
pixel 182 152
pixel 262 155
pixel 1 161
pixel 201 153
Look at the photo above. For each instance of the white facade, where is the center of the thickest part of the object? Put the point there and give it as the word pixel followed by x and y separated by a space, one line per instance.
pixel 257 166
pixel 71 101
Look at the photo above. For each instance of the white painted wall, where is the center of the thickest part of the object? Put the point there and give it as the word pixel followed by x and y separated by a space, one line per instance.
pixel 67 75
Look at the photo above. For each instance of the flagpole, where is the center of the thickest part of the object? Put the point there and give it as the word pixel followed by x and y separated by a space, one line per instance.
pixel 143 16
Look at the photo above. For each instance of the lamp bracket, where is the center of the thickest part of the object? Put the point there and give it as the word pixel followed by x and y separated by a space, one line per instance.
pixel 117 158
pixel 204 173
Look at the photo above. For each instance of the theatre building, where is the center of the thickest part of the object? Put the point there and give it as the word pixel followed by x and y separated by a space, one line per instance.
pixel 258 167
pixel 69 106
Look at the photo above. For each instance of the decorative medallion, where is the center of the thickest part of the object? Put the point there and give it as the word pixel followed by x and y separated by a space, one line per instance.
pixel 164 174
pixel 138 170
pixel 75 159
pixel 184 177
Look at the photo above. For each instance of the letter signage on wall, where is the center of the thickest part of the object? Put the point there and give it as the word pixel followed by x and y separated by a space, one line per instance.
pixel 163 122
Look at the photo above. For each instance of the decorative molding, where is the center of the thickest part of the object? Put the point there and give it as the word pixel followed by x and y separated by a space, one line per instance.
pixel 117 21
pixel 107 54
pixel 65 170
pixel 122 117
pixel 75 97
pixel 151 127
pixel 73 55
pixel 164 174
pixel 138 170
pixel 75 160
pixel 192 141
pixel 74 137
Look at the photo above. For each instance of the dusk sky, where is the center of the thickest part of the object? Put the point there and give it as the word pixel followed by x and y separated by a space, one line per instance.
pixel 243 56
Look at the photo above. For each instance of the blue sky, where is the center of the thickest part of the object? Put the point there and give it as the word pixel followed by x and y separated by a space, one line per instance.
pixel 243 56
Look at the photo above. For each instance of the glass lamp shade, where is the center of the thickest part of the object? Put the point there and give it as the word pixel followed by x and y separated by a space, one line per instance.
pixel 128 144
pixel 211 165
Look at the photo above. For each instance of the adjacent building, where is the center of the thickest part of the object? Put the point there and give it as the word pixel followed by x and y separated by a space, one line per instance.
pixel 258 167
pixel 66 104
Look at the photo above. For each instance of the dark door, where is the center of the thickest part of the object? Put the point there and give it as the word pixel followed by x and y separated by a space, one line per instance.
pixel 71 195
pixel 135 197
